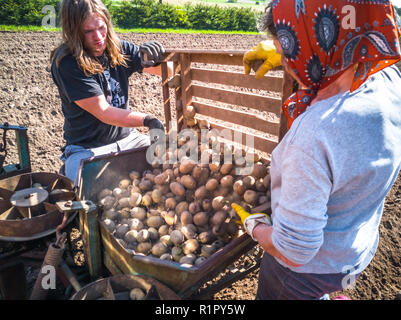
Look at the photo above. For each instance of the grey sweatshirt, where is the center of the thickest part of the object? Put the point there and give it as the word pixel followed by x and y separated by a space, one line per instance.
pixel 331 173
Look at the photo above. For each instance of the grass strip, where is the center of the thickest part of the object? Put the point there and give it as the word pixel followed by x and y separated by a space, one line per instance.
pixel 13 28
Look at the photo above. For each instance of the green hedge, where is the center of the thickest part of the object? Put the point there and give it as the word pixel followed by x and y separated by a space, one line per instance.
pixel 143 14
pixel 25 12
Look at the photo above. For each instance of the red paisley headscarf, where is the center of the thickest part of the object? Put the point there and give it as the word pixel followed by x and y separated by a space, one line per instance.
pixel 322 39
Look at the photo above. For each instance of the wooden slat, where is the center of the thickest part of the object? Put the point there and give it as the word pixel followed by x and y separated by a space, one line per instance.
pixel 186 94
pixel 171 55
pixel 166 94
pixel 218 58
pixel 253 101
pixel 237 117
pixel 267 83
pixel 177 94
pixel 259 143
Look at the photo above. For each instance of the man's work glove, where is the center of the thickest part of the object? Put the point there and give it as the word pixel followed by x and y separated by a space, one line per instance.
pixel 265 53
pixel 250 220
pixel 152 122
pixel 152 54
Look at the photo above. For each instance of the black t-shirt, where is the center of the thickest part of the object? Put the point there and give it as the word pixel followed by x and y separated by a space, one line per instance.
pixel 80 127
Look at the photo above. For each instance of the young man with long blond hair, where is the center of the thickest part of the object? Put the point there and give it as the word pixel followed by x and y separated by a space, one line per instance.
pixel 91 69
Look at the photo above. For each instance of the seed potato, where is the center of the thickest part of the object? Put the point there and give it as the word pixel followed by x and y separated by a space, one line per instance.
pixel 218 203
pixel 207 250
pixel 227 181
pixel 124 183
pixel 176 237
pixel 206 237
pixel 190 246
pixel 166 256
pixel 107 202
pixel 226 168
pixel 166 240
pixel 144 247
pixel 163 230
pixel 250 196
pixel 207 205
pixel 188 259
pixel 143 235
pixel 162 178
pixel 170 217
pixel 189 112
pixel 186 165
pixel 110 225
pixel 134 175
pixel 158 249
pixel 156 196
pixel 249 181
pixel 194 207
pixel 176 253
pixel 121 230
pixel 130 236
pixel 186 218
pixel 146 200
pixel 218 218
pixel 211 184
pixel 145 185
pixel 135 224
pixel 138 213
pixel 189 232
pixel 188 181
pixel 259 170
pixel 170 203
pixel 155 221
pixel 201 218
pixel 201 193
pixel 239 187
pixel 117 192
pixel 111 214
pixel 154 234
pixel 177 189
pixel 181 207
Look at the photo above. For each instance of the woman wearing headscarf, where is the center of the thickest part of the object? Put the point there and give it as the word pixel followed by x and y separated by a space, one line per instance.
pixel 332 170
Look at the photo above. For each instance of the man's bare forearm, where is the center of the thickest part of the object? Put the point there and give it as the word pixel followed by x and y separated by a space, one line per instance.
pixel 123 118
pixel 101 109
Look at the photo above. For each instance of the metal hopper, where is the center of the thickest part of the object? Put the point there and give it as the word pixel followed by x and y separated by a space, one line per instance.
pixel 105 171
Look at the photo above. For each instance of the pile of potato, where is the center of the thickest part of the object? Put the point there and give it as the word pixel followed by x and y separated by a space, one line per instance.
pixel 182 212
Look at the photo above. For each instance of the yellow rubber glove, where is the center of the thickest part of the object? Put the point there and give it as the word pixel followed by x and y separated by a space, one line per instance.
pixel 264 51
pixel 250 220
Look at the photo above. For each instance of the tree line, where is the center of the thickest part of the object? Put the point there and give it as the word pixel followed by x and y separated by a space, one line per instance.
pixel 141 14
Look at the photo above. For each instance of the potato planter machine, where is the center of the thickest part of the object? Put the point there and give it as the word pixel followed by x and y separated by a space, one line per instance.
pixel 36 205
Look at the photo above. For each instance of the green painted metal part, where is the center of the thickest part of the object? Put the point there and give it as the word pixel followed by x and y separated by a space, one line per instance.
pixel 24 165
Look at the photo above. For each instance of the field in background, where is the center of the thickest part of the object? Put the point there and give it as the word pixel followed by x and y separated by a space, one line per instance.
pixel 254 4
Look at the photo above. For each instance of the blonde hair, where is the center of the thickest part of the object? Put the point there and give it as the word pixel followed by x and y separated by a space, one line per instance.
pixel 73 14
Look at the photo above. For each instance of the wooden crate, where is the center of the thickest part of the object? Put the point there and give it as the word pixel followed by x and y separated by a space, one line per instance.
pixel 227 99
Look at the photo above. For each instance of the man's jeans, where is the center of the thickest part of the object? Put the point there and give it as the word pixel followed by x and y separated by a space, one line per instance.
pixel 73 154
pixel 277 282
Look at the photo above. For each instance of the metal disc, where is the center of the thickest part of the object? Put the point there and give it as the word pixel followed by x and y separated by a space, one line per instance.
pixel 29 197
